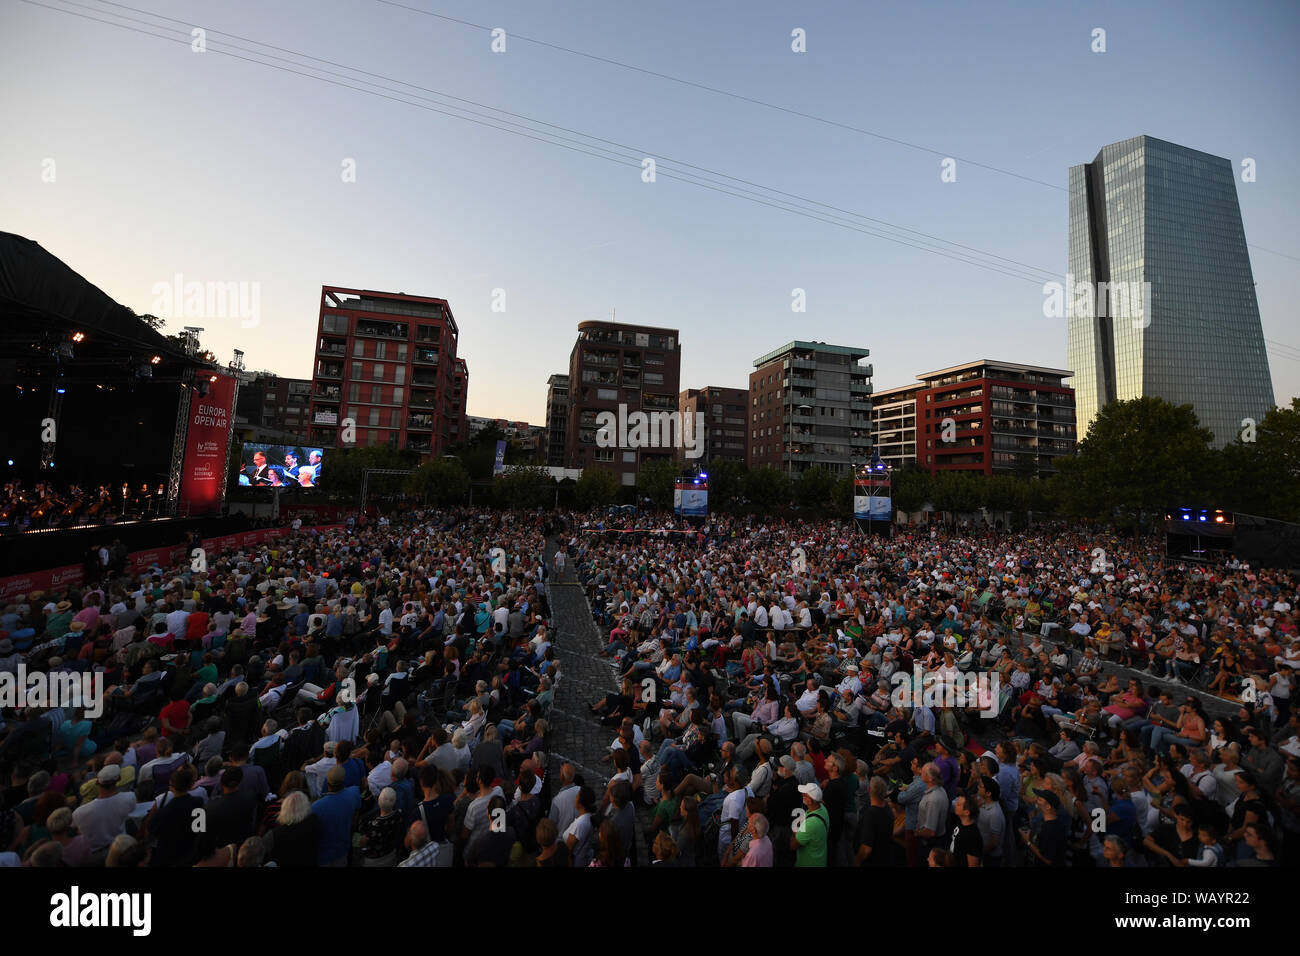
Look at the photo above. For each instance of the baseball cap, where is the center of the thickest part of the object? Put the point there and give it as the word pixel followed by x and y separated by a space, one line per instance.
pixel 109 775
pixel 812 790
pixel 1050 796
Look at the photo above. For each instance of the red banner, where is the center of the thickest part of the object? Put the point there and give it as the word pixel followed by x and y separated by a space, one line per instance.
pixel 54 579
pixel 203 471
pixel 74 575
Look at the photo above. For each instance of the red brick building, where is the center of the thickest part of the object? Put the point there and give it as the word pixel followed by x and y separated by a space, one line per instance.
pixel 987 416
pixel 388 362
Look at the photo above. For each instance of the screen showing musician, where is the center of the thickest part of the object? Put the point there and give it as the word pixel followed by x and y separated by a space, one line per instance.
pixel 280 466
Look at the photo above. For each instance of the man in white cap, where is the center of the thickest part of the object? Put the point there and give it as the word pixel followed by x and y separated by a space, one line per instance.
pixel 102 819
pixel 812 829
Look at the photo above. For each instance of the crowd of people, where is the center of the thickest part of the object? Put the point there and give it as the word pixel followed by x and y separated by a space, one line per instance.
pixel 806 695
pixel 788 694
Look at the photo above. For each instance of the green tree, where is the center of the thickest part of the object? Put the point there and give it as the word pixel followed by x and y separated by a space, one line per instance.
pixel 842 495
pixel 345 468
pixel 596 488
pixel 767 489
pixel 910 488
pixel 812 489
pixel 1262 476
pixel 1140 457
pixel 524 486
pixel 440 481
pixel 655 480
pixel 726 483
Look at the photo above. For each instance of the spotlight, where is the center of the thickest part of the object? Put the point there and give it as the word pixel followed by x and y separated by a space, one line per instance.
pixel 155 360
pixel 1219 518
pixel 61 390
pixel 11 462
pixel 78 336
pixel 212 379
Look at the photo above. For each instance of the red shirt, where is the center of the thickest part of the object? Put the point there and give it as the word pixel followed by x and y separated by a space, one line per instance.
pixel 177 713
pixel 196 625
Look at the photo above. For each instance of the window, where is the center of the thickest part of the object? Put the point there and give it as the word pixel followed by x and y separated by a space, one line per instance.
pixel 376 394
pixel 604 454
pixel 374 417
pixel 356 370
pixel 629 477
pixel 607 394
pixel 381 349
pixel 397 396
pixel 401 352
pixel 654 378
pixel 399 374
pixel 354 393
pixel 629 458
pixel 358 348
pixel 379 372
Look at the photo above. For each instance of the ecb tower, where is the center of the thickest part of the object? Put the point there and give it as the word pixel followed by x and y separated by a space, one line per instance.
pixel 1161 298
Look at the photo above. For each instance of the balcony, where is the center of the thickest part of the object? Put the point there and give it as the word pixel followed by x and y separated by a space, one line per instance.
pixel 593 377
pixel 423 378
pixel 801 381
pixel 801 363
pixel 330 393
pixel 329 370
pixel 422 423
pixel 420 445
pixel 425 356
pixel 332 348
pixel 324 436
pixel 860 387
pixel 381 330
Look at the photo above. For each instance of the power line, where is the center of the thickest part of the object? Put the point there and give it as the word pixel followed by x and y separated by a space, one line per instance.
pixel 915 239
pixel 728 93
pixel 587 136
pixel 757 102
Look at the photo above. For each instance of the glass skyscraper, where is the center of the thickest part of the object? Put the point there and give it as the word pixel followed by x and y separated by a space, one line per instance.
pixel 1163 299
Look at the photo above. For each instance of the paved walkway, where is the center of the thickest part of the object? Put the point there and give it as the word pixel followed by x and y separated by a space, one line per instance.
pixel 584 677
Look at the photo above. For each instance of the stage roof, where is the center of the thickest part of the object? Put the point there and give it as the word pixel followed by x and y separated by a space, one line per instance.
pixel 43 302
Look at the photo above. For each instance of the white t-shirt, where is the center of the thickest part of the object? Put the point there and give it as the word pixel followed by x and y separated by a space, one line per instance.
pixel 101 820
pixel 581 829
pixel 733 808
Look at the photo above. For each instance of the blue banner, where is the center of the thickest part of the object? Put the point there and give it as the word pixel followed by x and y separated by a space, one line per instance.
pixel 872 507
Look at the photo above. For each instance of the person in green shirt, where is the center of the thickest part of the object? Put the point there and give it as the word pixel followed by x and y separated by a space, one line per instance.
pixel 57 624
pixel 811 831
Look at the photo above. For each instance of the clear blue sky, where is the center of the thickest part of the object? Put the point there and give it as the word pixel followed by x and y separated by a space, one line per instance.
pixel 170 162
